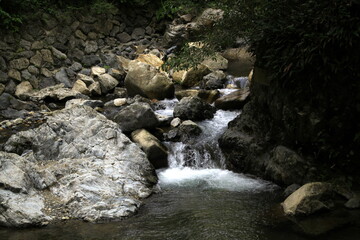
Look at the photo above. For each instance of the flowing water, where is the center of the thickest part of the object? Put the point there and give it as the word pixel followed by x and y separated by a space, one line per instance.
pixel 200 201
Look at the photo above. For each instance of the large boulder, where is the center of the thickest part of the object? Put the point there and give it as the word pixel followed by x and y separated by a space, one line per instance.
pixel 310 198
pixel 214 80
pixel 135 116
pixel 193 108
pixel 234 100
pixel 192 76
pixel 155 151
pixel 147 81
pixel 79 165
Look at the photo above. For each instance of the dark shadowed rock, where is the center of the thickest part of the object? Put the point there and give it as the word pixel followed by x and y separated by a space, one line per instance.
pixel 135 116
pixel 193 108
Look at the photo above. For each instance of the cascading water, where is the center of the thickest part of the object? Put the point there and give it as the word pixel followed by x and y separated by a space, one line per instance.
pixel 201 162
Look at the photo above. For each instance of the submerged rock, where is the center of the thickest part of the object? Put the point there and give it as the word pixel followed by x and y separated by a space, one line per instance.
pixel 78 162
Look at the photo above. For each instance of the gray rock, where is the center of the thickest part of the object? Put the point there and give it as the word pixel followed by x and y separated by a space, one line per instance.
pixel 58 54
pixel 156 152
pixel 208 96
pixel 14 74
pixel 193 108
pixel 25 74
pixel 91 47
pixel 47 56
pixel 8 101
pixel 234 100
pixel 33 70
pixel 136 116
pixel 138 33
pixel 2 88
pixel 2 64
pixel 84 102
pixel 87 167
pixel 37 45
pixel 36 59
pixel 3 77
pixel 353 202
pixel 90 60
pixel 80 34
pixel 56 93
pixel 76 67
pixel 214 80
pixel 120 92
pixel 186 132
pixel 62 77
pixel 124 37
pixel 19 64
pixel 286 166
pixel 107 82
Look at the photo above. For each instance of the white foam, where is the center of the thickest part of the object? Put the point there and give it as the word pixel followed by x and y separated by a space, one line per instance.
pixel 210 179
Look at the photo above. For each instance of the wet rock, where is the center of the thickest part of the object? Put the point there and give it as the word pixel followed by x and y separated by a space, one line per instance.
pixel 85 165
pixel 175 122
pixel 188 130
pixel 147 81
pixel 135 116
pixel 310 198
pixel 208 96
pixel 214 80
pixel 191 77
pixel 155 151
pixel 193 108
pixel 234 100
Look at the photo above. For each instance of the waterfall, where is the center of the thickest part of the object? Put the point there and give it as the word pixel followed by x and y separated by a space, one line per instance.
pixel 201 162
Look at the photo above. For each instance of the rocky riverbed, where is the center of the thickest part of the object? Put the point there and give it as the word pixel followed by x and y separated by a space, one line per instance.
pixel 84 120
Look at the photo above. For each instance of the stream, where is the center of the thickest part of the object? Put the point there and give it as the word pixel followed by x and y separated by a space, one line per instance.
pixel 200 200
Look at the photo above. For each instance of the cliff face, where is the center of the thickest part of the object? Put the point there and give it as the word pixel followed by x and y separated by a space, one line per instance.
pixel 299 133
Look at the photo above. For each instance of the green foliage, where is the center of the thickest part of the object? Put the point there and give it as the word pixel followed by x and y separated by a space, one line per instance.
pixel 101 7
